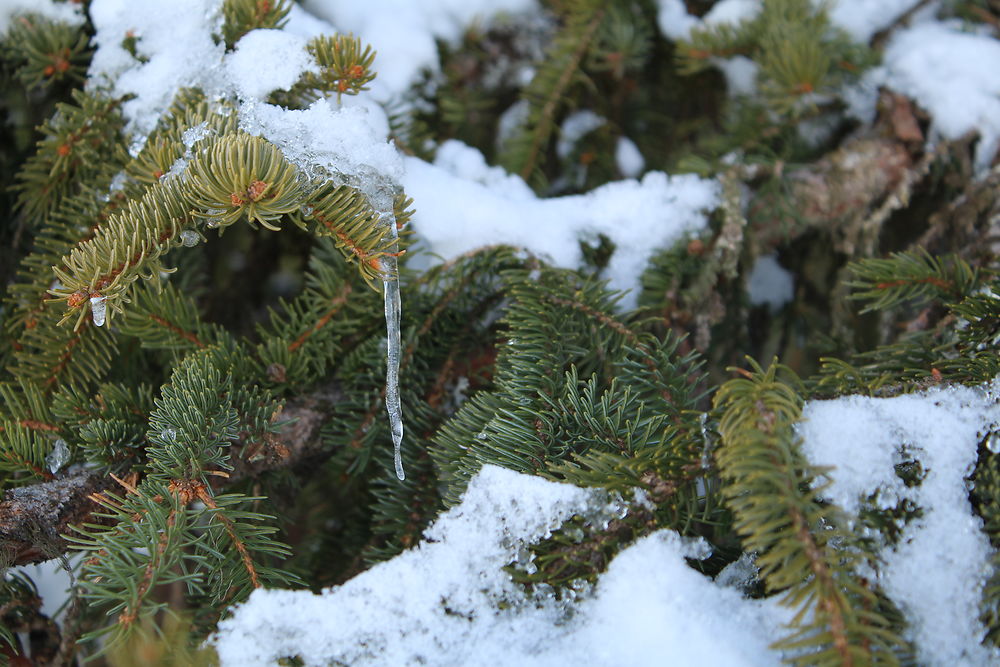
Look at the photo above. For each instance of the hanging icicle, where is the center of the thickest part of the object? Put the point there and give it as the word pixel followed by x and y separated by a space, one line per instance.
pixel 393 303
pixel 392 402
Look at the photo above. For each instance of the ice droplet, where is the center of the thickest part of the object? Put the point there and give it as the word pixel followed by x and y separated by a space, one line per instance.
pixel 993 442
pixel 99 309
pixel 189 238
pixel 58 457
pixel 168 434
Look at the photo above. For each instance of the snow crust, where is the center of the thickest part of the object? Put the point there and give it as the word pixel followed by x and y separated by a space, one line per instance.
pixel 63 12
pixel 463 204
pixel 440 603
pixel 437 604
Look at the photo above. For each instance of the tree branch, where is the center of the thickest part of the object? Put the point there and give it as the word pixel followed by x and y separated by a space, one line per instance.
pixel 34 518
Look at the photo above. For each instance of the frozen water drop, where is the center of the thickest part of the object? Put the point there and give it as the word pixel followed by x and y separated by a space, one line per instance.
pixel 993 442
pixel 168 434
pixel 189 238
pixel 58 457
pixel 99 309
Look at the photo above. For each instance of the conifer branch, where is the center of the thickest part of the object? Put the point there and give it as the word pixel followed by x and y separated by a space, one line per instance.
pixel 548 89
pixel 772 491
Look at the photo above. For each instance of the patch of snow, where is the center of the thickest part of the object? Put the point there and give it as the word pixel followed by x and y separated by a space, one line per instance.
pixel 770 283
pixel 268 60
pixel 676 23
pixel 575 127
pixel 438 604
pixel 326 141
pixel 937 570
pixel 457 213
pixel 954 75
pixel 302 23
pixel 182 55
pixel 57 11
pixel 740 73
pixel 861 19
pixel 628 158
pixel 404 33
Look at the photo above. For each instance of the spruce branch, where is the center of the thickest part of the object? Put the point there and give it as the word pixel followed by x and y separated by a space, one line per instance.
pixel 242 16
pixel 47 51
pixel 910 277
pixel 803 546
pixel 547 92
pixel 345 68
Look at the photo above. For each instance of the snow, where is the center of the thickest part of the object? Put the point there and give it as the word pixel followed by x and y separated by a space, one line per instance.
pixel 404 33
pixel 458 211
pixel 63 12
pixel 323 140
pixel 183 55
pixel 954 75
pixel 268 60
pixel 448 601
pixel 861 19
pixel 438 604
pixel 577 125
pixel 628 158
pixel 327 141
pixel 937 570
pixel 676 24
pixel 770 283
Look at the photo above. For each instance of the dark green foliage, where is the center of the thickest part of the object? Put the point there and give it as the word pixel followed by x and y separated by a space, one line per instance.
pixel 78 142
pixel 47 51
pixel 793 42
pixel 243 425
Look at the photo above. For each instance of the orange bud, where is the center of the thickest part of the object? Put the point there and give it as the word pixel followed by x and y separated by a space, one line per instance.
pixel 76 299
pixel 255 190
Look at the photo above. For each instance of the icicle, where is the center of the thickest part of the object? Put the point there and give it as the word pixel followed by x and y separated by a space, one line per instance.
pixel 390 289
pixel 381 197
pixel 99 309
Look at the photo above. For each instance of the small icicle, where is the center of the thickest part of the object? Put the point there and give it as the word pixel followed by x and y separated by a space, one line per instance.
pixel 99 309
pixel 392 403
pixel 393 303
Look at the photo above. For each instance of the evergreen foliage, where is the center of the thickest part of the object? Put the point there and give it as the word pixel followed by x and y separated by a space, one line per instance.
pixel 238 429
